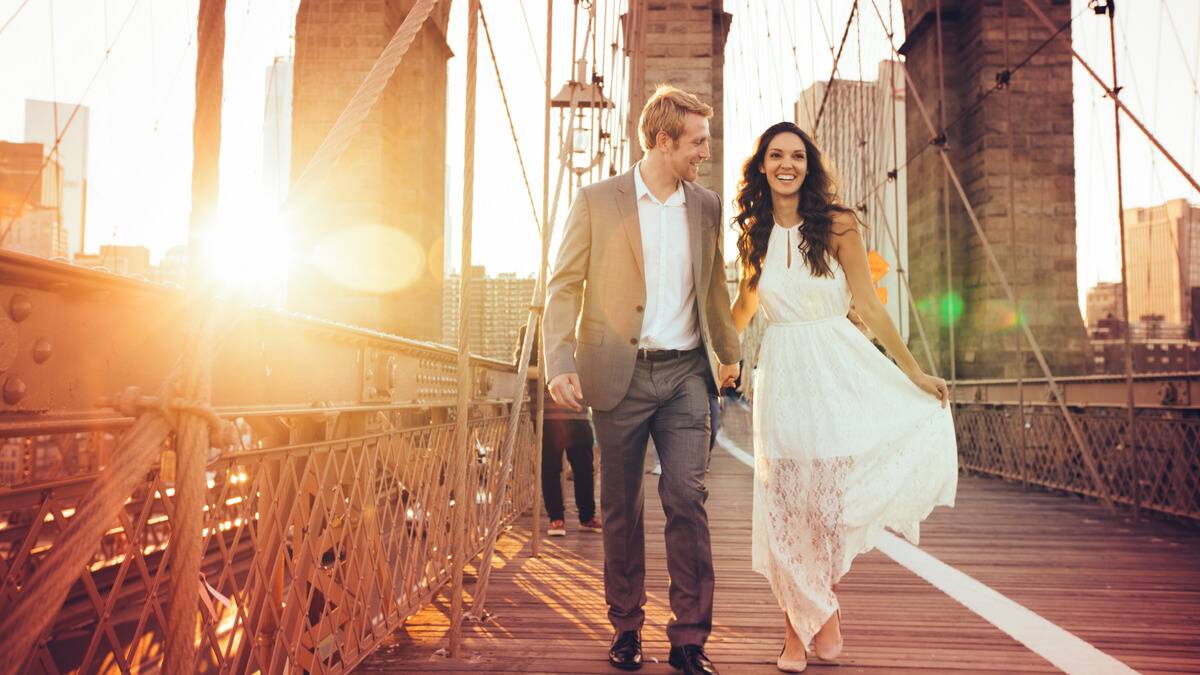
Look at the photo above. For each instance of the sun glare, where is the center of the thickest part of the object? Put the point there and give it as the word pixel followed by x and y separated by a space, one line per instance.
pixel 248 251
pixel 371 258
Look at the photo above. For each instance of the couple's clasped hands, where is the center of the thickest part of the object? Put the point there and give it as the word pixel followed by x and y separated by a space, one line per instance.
pixel 565 389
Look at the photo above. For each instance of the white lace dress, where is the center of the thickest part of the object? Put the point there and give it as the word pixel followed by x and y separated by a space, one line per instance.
pixel 845 444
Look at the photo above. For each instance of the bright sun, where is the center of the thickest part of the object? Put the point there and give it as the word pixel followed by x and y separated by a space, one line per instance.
pixel 248 251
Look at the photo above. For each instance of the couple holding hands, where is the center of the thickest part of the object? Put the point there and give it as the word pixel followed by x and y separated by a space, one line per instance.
pixel 639 326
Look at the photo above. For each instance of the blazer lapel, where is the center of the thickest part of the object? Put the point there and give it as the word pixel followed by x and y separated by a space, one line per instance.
pixel 701 248
pixel 627 206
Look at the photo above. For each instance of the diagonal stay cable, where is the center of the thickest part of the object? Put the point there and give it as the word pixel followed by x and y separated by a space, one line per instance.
pixel 66 125
pixel 937 140
pixel 1045 20
pixel 1085 449
pixel 834 70
pixel 14 16
pixel 508 113
pixel 361 103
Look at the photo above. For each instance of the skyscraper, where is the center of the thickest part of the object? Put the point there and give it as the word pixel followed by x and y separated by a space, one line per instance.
pixel 499 306
pixel 29 216
pixel 277 130
pixel 861 134
pixel 45 121
pixel 1162 258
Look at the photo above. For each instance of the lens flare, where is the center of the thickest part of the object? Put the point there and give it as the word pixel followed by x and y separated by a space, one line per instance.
pixel 950 308
pixel 370 258
pixel 1003 316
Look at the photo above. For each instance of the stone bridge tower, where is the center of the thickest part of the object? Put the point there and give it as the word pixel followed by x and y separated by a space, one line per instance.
pixel 383 205
pixel 1041 267
pixel 682 43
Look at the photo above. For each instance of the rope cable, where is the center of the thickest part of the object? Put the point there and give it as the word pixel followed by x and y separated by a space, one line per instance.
pixel 13 16
pixel 508 114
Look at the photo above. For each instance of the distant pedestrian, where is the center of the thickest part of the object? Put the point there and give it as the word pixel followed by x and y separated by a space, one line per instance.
pixel 566 430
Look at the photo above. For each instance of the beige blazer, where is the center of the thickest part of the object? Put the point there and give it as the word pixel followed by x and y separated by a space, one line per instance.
pixel 600 271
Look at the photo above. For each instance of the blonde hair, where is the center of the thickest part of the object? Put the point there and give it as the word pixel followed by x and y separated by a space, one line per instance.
pixel 665 111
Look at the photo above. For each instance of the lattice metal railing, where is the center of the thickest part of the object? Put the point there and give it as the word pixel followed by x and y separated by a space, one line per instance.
pixel 1161 472
pixel 313 550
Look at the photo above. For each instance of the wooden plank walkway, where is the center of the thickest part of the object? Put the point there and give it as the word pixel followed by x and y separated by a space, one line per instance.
pixel 1131 590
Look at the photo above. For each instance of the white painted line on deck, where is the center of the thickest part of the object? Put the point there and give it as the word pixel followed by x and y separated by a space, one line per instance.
pixel 1061 648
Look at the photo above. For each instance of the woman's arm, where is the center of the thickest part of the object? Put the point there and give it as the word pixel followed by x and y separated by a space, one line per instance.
pixel 851 254
pixel 744 306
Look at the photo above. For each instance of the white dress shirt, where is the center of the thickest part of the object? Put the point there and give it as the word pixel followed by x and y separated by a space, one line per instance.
pixel 670 318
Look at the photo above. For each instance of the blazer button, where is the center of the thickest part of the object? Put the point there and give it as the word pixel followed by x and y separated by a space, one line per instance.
pixel 640 308
pixel 633 341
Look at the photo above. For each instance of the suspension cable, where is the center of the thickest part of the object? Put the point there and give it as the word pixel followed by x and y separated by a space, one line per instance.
pixel 1052 382
pixel 508 114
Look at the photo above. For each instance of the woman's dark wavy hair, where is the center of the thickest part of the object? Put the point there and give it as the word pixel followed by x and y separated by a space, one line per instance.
pixel 817 208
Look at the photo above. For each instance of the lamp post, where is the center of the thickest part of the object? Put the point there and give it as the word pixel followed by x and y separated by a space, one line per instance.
pixel 576 98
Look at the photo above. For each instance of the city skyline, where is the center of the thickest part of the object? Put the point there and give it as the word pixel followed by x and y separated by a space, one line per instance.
pixel 140 109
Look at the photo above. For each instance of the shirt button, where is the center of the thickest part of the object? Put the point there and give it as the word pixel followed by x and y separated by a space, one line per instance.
pixel 633 341
pixel 640 308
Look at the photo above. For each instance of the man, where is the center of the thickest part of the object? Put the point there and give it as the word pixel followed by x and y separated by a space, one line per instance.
pixel 641 256
pixel 563 430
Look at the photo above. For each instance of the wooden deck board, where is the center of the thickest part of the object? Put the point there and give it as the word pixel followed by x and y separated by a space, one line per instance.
pixel 1131 589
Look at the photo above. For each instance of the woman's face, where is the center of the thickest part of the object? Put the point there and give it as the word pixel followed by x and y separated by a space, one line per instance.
pixel 785 164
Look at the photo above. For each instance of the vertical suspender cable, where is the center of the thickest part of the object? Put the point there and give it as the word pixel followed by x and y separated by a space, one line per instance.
pixel 541 361
pixel 1130 436
pixel 1012 258
pixel 1076 432
pixel 948 304
pixel 193 442
pixel 461 451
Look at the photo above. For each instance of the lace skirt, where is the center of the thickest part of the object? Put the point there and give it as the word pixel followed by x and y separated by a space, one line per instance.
pixel 845 446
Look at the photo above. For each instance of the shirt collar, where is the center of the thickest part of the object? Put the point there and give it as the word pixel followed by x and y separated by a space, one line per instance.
pixel 676 199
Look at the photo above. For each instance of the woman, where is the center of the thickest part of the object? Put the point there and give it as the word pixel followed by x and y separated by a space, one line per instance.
pixel 845 442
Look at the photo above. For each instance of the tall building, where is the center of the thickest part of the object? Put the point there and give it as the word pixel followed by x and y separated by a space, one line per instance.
pixel 129 261
pixel 1162 261
pixel 22 182
pixel 277 130
pixel 1105 300
pixel 36 232
pixel 44 122
pixel 499 306
pixel 861 133
pixel 29 217
pixel 172 269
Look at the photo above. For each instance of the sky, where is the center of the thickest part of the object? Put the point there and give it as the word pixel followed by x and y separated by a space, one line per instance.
pixel 141 98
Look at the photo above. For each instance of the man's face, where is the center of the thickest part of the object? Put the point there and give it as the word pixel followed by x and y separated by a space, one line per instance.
pixel 688 152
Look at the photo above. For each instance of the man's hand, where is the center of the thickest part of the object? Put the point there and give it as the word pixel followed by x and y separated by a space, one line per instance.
pixel 565 390
pixel 728 375
pixel 859 323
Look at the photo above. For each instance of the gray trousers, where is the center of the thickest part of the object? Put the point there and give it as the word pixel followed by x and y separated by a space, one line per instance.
pixel 668 400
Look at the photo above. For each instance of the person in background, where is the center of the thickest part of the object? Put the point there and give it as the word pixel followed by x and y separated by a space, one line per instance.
pixel 563 429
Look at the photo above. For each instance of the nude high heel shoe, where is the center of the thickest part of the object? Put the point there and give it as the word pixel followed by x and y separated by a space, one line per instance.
pixel 792 665
pixel 831 656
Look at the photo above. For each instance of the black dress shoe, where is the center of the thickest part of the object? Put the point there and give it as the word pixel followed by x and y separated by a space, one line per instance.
pixel 626 650
pixel 691 660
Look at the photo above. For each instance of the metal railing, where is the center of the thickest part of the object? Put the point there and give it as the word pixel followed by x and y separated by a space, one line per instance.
pixel 330 511
pixel 314 549
pixel 1160 473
